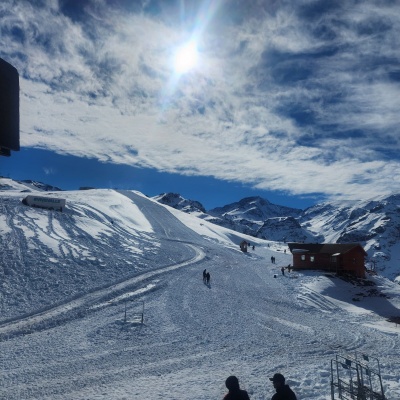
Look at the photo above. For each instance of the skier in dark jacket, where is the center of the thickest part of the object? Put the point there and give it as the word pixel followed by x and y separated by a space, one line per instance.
pixel 235 393
pixel 283 391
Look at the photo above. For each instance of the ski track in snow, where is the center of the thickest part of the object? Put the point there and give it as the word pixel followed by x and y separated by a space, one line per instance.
pixel 245 322
pixel 42 320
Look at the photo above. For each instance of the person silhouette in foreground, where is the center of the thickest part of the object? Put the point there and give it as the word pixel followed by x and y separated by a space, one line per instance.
pixel 283 391
pixel 235 393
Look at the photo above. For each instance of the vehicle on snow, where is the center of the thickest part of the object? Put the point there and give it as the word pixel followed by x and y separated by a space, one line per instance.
pixel 50 203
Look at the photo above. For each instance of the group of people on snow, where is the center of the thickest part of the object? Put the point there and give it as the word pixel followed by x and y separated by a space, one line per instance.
pixel 206 277
pixel 283 391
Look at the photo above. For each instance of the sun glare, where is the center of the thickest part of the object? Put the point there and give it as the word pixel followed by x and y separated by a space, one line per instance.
pixel 186 58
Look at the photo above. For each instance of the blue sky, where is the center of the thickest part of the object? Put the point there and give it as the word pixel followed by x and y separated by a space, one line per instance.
pixel 295 101
pixel 75 172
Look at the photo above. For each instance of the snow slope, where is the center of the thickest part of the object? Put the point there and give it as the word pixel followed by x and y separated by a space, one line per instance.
pixel 374 223
pixel 73 286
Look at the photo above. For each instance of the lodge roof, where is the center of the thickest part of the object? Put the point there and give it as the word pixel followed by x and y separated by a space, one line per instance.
pixel 323 248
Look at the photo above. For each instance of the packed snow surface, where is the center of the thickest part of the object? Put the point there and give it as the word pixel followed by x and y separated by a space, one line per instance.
pixel 76 331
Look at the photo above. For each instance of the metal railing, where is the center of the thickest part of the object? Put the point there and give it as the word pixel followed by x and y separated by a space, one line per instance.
pixel 356 377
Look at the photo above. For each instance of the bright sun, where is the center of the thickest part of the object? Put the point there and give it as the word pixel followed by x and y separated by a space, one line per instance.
pixel 186 58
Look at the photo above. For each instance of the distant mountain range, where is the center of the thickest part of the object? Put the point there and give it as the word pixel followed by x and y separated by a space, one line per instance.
pixel 374 223
pixel 178 202
pixel 28 185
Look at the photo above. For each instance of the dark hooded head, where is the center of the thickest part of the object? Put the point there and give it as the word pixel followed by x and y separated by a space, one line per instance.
pixel 232 383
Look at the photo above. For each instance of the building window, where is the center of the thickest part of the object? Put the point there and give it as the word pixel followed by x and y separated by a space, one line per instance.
pixel 312 258
pixel 303 257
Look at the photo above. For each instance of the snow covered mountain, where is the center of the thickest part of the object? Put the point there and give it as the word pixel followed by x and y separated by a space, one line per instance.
pixel 26 185
pixel 285 229
pixel 176 201
pixel 75 285
pixel 254 209
pixel 258 217
pixel 374 223
pixel 40 186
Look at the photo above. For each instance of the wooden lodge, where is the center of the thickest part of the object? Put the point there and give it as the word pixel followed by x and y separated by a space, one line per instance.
pixel 339 258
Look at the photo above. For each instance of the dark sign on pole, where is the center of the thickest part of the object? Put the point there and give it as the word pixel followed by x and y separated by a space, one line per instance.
pixel 9 108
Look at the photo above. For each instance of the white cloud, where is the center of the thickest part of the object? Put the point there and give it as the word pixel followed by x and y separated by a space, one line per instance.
pixel 303 102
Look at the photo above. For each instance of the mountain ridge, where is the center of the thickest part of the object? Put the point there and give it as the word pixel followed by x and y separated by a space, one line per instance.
pixel 111 287
pixel 374 223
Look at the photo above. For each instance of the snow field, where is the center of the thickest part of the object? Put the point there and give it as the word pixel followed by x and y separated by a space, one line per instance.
pixel 246 322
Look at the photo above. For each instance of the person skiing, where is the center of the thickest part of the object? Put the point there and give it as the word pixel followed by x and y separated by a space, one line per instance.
pixel 283 270
pixel 204 275
pixel 235 393
pixel 283 391
pixel 208 277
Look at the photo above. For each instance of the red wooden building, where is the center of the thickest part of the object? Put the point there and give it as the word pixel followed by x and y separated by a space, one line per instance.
pixel 334 257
